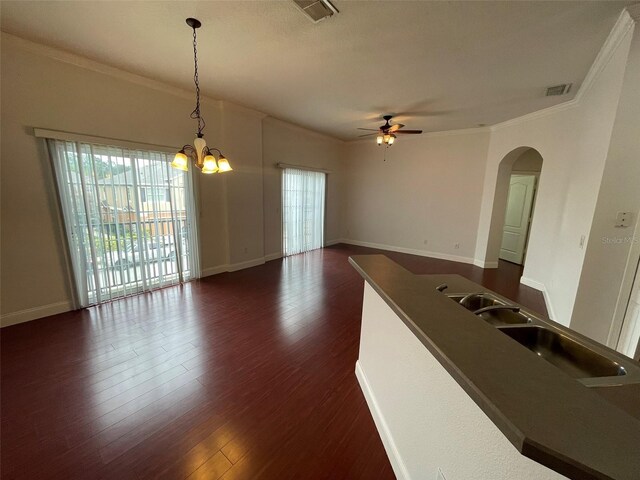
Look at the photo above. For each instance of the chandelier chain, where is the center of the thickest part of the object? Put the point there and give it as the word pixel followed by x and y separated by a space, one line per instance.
pixel 196 112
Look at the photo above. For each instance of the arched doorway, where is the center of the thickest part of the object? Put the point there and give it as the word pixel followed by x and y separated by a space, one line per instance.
pixel 516 190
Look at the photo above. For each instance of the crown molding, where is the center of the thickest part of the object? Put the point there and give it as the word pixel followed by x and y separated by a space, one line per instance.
pixel 292 126
pixel 450 133
pixel 94 66
pixel 241 109
pixel 545 112
pixel 98 67
pixel 624 24
pixel 622 27
pixel 634 11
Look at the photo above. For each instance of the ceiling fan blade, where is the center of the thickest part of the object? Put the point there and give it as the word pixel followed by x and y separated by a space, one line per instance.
pixel 368 134
pixel 410 132
pixel 395 127
pixel 370 129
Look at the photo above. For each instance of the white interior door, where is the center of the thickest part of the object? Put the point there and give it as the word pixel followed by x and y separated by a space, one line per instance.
pixel 517 217
pixel 630 335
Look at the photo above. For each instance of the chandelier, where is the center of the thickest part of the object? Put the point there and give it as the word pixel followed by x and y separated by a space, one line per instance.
pixel 199 153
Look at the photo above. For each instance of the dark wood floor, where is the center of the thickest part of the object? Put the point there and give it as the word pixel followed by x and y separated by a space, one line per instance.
pixel 245 375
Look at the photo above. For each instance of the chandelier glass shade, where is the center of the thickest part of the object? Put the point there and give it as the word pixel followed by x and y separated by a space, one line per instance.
pixel 202 156
pixel 386 139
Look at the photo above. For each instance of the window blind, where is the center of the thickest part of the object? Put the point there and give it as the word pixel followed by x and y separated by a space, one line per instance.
pixel 130 219
pixel 303 205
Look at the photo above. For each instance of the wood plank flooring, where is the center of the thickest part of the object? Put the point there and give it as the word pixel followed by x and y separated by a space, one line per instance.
pixel 244 375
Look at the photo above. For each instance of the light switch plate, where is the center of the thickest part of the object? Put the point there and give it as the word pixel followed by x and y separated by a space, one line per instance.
pixel 623 219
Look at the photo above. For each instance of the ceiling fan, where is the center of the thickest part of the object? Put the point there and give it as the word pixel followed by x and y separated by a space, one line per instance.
pixel 386 134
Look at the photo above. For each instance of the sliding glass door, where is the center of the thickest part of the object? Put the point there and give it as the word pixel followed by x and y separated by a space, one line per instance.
pixel 129 219
pixel 303 197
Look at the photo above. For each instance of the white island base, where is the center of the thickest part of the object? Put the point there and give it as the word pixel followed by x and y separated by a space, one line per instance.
pixel 425 419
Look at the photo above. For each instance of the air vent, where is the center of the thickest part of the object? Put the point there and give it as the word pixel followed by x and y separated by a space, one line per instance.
pixel 316 10
pixel 559 90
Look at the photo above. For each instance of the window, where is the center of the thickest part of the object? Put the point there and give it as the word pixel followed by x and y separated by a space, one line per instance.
pixel 129 219
pixel 155 194
pixel 303 194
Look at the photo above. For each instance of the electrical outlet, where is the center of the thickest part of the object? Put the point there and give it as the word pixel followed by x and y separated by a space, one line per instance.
pixel 440 475
pixel 623 219
pixel 456 245
pixel 582 239
pixel 246 250
pixel 426 241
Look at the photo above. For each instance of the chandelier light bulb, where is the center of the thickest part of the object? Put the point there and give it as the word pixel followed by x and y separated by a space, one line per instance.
pixel 223 165
pixel 209 164
pixel 180 161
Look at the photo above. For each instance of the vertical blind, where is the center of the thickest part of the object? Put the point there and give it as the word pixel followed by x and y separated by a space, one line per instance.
pixel 303 194
pixel 130 219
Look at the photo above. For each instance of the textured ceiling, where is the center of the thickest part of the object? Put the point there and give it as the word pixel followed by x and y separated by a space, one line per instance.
pixel 443 65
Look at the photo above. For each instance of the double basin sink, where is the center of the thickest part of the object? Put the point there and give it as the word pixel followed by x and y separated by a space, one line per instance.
pixel 589 362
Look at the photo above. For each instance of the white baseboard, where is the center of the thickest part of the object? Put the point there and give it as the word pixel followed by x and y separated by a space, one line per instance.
pixel 34 313
pixel 482 264
pixel 411 251
pixel 328 243
pixel 529 282
pixel 234 267
pixel 272 256
pixel 399 468
pixel 206 272
pixel 61 307
pixel 547 300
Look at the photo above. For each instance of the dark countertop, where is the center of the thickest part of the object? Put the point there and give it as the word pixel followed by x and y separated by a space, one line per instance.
pixel 626 397
pixel 580 432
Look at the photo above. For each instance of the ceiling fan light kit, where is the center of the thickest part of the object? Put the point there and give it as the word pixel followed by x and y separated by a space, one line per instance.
pixel 199 153
pixel 386 139
pixel 386 134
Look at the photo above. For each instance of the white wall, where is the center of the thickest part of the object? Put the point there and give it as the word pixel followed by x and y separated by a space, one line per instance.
pixel 286 143
pixel 441 188
pixel 242 139
pixel 427 189
pixel 47 88
pixel 573 140
pixel 425 419
pixel 609 248
pixel 38 91
pixel 529 161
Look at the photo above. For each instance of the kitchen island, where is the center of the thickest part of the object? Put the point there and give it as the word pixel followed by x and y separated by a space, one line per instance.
pixel 449 391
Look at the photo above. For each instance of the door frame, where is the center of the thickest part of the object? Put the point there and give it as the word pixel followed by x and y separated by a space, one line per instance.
pixel 635 284
pixel 536 182
pixel 624 296
pixel 533 206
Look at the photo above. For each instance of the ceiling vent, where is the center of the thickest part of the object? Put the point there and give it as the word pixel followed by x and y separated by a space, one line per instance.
pixel 559 89
pixel 316 10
